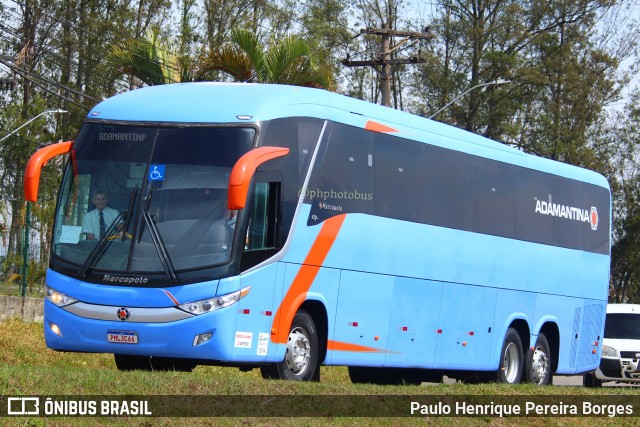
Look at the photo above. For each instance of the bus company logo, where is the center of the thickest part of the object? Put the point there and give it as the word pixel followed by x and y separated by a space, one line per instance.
pixel 122 136
pixel 594 218
pixel 123 314
pixel 544 207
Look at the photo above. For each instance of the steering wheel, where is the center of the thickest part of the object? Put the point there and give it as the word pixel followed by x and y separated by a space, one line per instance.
pixel 120 235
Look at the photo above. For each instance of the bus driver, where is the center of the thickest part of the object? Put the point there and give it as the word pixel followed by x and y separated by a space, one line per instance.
pixel 97 221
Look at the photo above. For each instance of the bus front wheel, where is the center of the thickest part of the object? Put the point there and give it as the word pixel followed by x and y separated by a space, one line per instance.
pixel 511 359
pixel 125 362
pixel 302 352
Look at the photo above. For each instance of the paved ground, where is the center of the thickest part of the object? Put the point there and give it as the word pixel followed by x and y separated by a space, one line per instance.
pixel 574 380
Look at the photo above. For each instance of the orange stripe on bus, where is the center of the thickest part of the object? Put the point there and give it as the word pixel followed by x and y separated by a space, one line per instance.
pixel 297 292
pixel 378 127
pixel 345 346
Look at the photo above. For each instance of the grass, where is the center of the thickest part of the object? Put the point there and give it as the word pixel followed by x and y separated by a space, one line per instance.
pixel 29 368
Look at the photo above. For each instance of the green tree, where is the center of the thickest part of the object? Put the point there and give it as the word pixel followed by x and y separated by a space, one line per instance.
pixel 621 137
pixel 561 76
pixel 574 79
pixel 287 60
pixel 325 25
pixel 151 60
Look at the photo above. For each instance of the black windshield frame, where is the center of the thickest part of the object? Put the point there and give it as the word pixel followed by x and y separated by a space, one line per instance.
pixel 185 176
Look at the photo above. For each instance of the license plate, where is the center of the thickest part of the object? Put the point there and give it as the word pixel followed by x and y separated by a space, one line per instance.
pixel 122 337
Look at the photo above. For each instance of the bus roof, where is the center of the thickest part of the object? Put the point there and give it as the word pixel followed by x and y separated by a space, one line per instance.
pixel 214 102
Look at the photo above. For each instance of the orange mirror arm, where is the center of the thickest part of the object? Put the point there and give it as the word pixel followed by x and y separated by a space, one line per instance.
pixel 34 167
pixel 243 171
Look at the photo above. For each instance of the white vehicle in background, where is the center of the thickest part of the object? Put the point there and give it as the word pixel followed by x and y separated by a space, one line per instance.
pixel 620 347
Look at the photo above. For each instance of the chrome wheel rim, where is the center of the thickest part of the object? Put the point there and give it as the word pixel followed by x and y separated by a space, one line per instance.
pixel 298 351
pixel 539 365
pixel 510 362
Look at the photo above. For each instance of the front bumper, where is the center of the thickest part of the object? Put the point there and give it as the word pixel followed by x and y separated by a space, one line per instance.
pixel 619 369
pixel 170 339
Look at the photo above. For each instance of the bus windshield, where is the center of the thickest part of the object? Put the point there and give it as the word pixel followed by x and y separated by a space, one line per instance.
pixel 144 199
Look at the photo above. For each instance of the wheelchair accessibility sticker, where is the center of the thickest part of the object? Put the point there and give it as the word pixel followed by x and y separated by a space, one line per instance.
pixel 156 173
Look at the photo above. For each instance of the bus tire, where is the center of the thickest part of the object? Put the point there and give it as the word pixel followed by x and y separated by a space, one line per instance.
pixel 172 364
pixel 301 357
pixel 127 362
pixel 539 363
pixel 360 375
pixel 511 359
pixel 387 376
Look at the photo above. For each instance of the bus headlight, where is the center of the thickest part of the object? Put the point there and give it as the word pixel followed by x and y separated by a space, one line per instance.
pixel 215 303
pixel 58 298
pixel 609 351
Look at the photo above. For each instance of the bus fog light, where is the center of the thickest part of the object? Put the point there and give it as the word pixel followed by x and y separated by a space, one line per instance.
pixel 201 338
pixel 55 329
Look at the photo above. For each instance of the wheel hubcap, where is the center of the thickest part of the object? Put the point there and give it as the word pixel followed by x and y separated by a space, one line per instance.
pixel 298 351
pixel 539 365
pixel 510 362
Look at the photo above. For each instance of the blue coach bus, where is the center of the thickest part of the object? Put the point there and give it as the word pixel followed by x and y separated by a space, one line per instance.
pixel 282 228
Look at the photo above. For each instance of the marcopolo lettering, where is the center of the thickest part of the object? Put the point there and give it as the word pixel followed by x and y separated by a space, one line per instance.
pixel 124 279
pixel 122 136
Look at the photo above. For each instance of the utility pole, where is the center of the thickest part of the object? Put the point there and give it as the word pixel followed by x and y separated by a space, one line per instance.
pixel 384 60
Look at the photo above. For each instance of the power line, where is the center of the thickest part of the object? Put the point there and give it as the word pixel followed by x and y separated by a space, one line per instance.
pixel 51 82
pixel 81 29
pixel 60 58
pixel 22 74
pixel 48 52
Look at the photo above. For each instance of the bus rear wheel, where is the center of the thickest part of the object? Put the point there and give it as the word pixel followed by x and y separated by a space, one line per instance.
pixel 511 359
pixel 389 376
pixel 172 364
pixel 539 362
pixel 302 353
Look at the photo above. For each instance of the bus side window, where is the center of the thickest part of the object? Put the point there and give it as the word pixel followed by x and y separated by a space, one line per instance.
pixel 262 232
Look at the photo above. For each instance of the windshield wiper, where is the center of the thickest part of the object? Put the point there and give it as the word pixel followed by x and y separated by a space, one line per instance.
pixel 147 203
pixel 156 238
pixel 163 254
pixel 101 247
pixel 128 212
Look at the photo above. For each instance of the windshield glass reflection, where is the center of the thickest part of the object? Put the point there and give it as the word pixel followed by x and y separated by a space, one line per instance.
pixel 142 199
